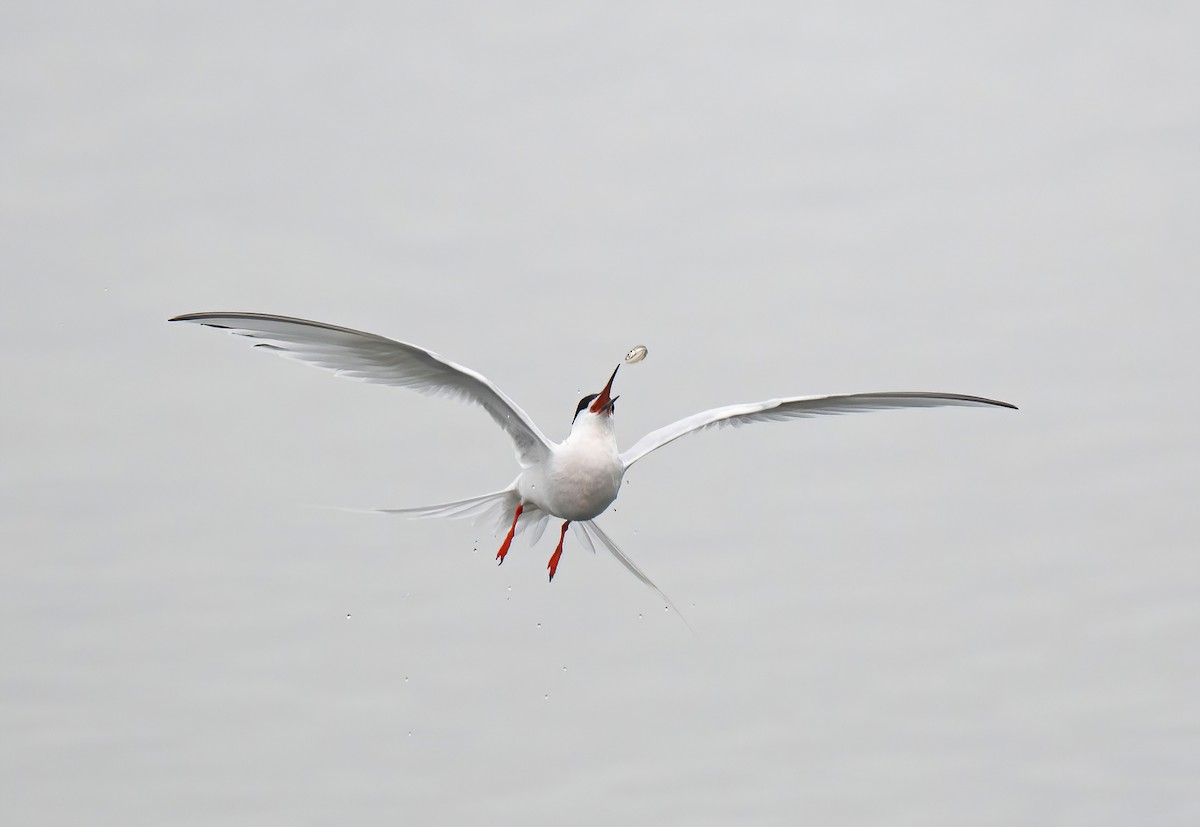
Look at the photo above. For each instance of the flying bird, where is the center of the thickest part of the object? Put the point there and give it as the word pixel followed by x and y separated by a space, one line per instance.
pixel 574 480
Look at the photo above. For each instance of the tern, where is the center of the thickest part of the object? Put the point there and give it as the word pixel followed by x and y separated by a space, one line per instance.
pixel 575 480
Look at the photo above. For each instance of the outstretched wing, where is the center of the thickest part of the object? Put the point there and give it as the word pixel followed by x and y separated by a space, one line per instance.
pixel 796 407
pixel 372 358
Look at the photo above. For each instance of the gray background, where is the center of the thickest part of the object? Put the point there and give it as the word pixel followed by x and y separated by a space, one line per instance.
pixel 929 617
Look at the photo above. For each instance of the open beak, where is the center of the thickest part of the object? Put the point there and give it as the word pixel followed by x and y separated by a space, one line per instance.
pixel 605 400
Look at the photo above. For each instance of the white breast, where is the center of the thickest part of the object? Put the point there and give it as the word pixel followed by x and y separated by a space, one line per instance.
pixel 581 478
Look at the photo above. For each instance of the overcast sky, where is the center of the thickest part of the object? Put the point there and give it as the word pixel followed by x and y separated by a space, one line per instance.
pixel 927 617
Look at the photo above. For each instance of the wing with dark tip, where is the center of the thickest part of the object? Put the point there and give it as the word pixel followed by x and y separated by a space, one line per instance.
pixel 798 407
pixel 371 358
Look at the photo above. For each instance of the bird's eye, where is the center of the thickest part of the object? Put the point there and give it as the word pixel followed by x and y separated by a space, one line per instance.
pixel 583 403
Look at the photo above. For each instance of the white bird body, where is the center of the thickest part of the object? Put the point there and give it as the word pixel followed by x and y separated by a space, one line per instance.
pixel 575 480
pixel 581 477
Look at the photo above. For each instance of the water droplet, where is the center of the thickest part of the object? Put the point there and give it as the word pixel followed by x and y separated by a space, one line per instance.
pixel 564 669
pixel 546 696
pixel 539 625
pixel 347 616
pixel 410 733
pixel 406 678
pixel 639 615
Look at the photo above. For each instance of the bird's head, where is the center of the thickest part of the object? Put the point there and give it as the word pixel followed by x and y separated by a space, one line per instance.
pixel 597 406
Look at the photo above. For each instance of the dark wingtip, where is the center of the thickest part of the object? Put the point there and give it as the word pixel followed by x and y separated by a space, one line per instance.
pixel 199 318
pixel 194 317
pixel 995 403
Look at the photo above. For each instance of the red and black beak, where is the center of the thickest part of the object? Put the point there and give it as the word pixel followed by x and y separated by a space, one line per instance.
pixel 605 400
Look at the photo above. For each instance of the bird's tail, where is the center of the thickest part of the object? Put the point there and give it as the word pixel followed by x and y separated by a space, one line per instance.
pixel 495 510
pixel 470 507
pixel 499 507
pixel 589 529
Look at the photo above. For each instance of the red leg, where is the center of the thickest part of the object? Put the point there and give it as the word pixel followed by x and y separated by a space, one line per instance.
pixel 553 564
pixel 508 540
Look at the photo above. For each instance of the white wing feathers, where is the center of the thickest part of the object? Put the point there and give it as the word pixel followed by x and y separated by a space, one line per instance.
pixel 372 358
pixel 796 407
